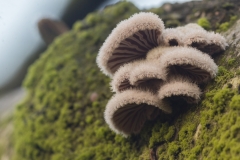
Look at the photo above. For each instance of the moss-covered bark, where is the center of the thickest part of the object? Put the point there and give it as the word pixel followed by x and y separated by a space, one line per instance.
pixel 60 120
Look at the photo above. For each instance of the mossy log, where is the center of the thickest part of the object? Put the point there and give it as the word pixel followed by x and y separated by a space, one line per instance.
pixel 62 116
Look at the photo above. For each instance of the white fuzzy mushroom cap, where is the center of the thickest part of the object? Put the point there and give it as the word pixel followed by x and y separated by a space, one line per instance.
pixel 195 36
pixel 180 87
pixel 126 112
pixel 155 53
pixel 130 40
pixel 207 42
pixel 190 26
pixel 172 37
pixel 121 79
pixel 217 41
pixel 177 36
pixel 189 62
pixel 148 75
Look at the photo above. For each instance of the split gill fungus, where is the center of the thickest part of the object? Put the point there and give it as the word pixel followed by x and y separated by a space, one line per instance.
pixel 195 36
pixel 127 111
pixel 150 65
pixel 129 41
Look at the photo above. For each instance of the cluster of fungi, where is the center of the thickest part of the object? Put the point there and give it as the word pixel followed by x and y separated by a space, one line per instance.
pixel 150 65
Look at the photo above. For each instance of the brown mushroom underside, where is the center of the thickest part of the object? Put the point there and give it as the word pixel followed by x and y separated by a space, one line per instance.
pixel 192 72
pixel 207 48
pixel 180 98
pixel 131 118
pixel 133 48
pixel 124 85
pixel 173 42
pixel 151 84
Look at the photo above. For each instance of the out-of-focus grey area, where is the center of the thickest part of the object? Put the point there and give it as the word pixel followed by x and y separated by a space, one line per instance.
pixel 27 27
pixel 9 100
pixel 20 41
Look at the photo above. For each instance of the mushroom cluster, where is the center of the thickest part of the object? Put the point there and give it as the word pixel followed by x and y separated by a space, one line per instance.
pixel 150 65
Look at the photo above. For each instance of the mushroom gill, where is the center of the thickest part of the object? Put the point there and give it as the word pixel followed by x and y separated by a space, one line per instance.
pixel 126 112
pixel 151 67
pixel 189 62
pixel 195 36
pixel 207 42
pixel 217 44
pixel 129 41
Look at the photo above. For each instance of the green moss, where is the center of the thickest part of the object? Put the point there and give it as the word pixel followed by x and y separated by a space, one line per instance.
pixel 145 154
pixel 235 103
pixel 161 133
pixel 169 135
pixel 158 11
pixel 221 99
pixel 204 23
pixel 231 61
pixel 226 25
pixel 89 119
pixel 78 26
pixel 185 134
pixel 223 75
pixel 233 19
pixel 228 5
pixel 173 150
pixel 172 23
pixel 59 121
pixel 219 118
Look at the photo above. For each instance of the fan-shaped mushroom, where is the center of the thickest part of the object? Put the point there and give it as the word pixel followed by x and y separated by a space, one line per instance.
pixel 195 36
pixel 129 41
pixel 207 42
pixel 180 87
pixel 141 74
pixel 126 112
pixel 150 66
pixel 187 62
